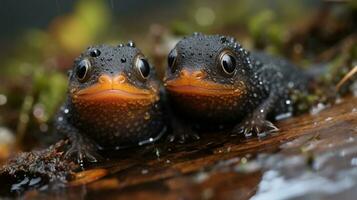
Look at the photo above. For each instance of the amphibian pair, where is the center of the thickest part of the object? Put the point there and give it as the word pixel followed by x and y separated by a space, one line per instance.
pixel 115 101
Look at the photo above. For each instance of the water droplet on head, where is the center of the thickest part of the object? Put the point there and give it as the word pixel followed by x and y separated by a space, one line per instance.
pixel 95 53
pixel 131 43
pixel 246 53
pixel 223 39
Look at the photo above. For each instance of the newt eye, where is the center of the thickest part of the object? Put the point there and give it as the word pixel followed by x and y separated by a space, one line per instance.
pixel 227 62
pixel 171 60
pixel 83 69
pixel 143 67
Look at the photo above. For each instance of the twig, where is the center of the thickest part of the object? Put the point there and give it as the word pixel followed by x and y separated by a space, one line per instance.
pixel 346 77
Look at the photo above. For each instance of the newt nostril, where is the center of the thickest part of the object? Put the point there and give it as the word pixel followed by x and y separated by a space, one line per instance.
pixel 120 79
pixel 184 73
pixel 104 79
pixel 198 74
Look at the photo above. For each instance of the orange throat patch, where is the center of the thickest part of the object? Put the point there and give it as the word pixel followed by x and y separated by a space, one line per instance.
pixel 113 108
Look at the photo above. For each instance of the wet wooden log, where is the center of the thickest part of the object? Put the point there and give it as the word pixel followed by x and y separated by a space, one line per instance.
pixel 312 156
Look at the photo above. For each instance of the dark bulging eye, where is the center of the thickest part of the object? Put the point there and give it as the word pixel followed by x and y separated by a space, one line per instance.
pixel 82 70
pixel 143 67
pixel 171 60
pixel 95 53
pixel 227 62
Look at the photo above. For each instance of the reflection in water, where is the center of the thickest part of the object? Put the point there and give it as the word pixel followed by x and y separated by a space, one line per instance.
pixel 275 185
pixel 325 169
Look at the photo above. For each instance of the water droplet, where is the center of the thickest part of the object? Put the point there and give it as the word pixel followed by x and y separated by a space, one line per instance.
pixel 291 84
pixel 223 39
pixel 131 43
pixel 3 99
pixel 144 171
pixel 328 119
pixel 157 152
pixel 147 116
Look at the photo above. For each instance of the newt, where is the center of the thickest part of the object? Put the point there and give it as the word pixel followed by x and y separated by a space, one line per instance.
pixel 113 102
pixel 211 80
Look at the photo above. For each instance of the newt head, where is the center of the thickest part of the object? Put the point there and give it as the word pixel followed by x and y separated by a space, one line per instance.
pixel 112 74
pixel 206 65
pixel 207 73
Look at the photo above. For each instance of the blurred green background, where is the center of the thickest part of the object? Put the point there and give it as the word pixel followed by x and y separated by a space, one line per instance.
pixel 39 40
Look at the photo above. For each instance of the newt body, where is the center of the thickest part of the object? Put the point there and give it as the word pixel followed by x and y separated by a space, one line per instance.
pixel 213 80
pixel 113 101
